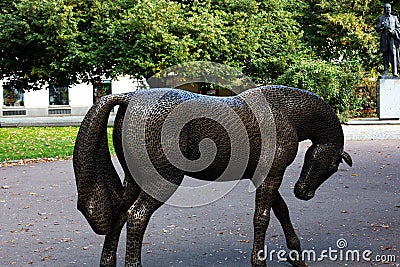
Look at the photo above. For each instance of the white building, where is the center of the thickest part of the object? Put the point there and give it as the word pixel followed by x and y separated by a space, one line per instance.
pixel 58 101
pixel 75 100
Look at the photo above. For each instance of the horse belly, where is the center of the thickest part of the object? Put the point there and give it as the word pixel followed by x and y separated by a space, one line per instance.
pixel 223 165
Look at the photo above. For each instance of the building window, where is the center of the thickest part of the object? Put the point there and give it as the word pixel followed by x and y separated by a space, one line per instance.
pixel 12 96
pixel 58 95
pixel 209 89
pixel 101 88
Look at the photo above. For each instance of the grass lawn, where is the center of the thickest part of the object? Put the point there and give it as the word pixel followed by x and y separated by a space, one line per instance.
pixel 39 142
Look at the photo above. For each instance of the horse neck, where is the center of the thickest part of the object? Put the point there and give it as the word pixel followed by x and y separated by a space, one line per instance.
pixel 311 117
pixel 320 125
pixel 321 131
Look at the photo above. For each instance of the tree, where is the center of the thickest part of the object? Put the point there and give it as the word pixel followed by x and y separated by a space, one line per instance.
pixel 70 41
pixel 153 35
pixel 280 41
pixel 7 5
pixel 343 32
pixel 74 40
pixel 37 39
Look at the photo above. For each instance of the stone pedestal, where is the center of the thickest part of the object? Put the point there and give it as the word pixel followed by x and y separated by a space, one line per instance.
pixel 388 98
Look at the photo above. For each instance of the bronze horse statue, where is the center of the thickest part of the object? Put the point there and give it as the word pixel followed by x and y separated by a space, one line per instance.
pixel 107 203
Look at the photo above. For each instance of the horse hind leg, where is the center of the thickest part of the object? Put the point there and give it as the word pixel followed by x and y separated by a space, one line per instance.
pixel 139 214
pixel 138 218
pixel 281 211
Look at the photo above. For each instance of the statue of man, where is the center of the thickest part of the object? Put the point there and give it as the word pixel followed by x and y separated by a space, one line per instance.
pixel 389 27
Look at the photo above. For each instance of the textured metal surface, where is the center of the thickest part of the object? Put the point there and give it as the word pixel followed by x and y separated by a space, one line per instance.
pixel 176 133
pixel 107 204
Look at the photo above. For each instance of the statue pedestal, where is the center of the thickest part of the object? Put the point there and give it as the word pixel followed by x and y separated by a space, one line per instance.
pixel 388 98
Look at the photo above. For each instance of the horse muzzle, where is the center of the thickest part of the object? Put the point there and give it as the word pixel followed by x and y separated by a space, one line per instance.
pixel 303 193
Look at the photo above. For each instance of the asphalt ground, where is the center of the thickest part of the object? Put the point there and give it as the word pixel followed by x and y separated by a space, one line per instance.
pixel 40 225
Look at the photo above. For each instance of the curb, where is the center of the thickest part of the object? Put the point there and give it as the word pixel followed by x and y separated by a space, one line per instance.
pixel 46 121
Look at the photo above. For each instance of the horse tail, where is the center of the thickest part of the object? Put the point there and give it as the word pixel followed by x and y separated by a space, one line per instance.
pixel 99 186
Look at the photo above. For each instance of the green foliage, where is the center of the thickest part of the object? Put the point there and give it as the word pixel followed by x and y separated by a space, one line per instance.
pixel 36 40
pixel 74 40
pixel 343 31
pixel 366 97
pixel 279 43
pixel 152 35
pixel 327 80
pixel 71 41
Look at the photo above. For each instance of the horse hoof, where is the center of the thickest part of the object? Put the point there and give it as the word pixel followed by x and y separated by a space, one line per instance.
pixel 133 264
pixel 259 264
pixel 297 263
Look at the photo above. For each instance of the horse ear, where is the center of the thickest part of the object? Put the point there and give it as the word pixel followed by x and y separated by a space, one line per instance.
pixel 347 158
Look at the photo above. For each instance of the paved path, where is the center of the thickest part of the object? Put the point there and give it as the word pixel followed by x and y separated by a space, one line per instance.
pixel 44 121
pixel 40 225
pixel 371 132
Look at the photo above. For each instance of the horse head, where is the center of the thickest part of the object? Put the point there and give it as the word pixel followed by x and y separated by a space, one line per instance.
pixel 321 161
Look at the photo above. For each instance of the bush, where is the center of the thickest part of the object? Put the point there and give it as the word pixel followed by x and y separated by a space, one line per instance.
pixel 327 80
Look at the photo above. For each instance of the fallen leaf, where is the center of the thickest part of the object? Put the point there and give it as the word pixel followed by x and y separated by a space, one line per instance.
pixel 46 258
pixel 244 241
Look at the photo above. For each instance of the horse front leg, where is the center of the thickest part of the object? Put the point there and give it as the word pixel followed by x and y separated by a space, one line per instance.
pixel 265 195
pixel 109 252
pixel 281 212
